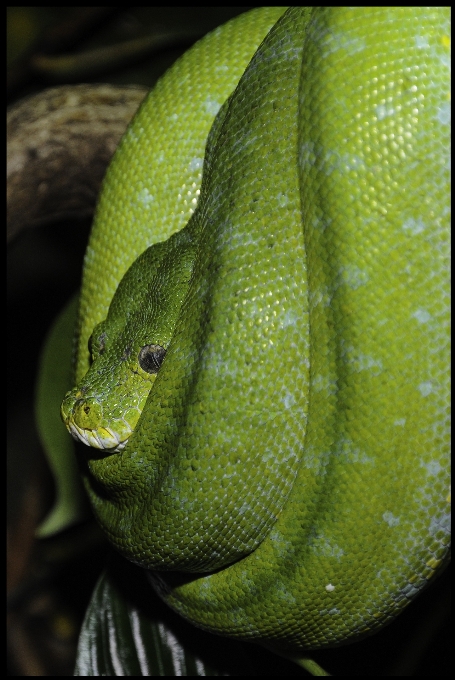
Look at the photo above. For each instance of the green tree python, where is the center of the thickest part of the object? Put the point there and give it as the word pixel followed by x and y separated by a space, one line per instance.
pixel 263 341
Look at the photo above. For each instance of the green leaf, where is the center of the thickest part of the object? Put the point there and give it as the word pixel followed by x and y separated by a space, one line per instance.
pixel 128 630
pixel 54 379
pixel 119 639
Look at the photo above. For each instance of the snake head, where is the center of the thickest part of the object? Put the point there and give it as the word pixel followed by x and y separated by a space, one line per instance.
pixel 103 410
pixel 129 346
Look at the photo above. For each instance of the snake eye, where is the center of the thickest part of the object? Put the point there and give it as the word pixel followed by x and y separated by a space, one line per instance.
pixel 151 357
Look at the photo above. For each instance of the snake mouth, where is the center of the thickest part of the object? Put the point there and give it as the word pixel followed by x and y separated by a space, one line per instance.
pixel 85 421
pixel 103 438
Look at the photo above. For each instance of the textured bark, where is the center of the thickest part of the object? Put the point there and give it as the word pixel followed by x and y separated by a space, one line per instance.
pixel 59 144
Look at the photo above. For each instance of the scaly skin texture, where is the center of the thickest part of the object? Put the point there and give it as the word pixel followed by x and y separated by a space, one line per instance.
pixel 287 480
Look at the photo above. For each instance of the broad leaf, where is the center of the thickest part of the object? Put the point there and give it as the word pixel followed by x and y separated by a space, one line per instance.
pixel 54 379
pixel 130 631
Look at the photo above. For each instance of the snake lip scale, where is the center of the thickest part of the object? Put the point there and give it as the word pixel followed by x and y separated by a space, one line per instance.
pixel 108 441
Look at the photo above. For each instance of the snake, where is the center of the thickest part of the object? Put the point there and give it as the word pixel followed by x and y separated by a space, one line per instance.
pixel 262 351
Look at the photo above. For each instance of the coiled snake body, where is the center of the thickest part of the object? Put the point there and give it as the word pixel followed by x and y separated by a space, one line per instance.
pixel 267 392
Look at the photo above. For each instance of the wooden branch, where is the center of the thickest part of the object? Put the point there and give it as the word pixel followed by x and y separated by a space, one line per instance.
pixel 59 144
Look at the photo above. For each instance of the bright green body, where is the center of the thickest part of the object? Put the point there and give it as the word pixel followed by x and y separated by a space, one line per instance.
pixel 291 462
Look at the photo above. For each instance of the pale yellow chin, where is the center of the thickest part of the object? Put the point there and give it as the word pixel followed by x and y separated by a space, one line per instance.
pixel 102 438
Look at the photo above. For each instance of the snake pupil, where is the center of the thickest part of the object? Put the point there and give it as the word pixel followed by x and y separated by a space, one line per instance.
pixel 151 357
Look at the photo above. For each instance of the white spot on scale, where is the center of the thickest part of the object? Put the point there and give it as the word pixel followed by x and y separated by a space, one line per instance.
pixel 422 316
pixel 413 225
pixel 282 199
pixel 351 161
pixel 195 164
pixel 343 40
pixel 433 468
pixel 289 318
pixel 390 519
pixel 354 277
pixel 384 111
pixel 401 422
pixel 330 588
pixel 145 197
pixel 443 114
pixel 364 362
pixel 329 612
pixel 421 41
pixel 425 388
pixel 212 106
pixel 288 400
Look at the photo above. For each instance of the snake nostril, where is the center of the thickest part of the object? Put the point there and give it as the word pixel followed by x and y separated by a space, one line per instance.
pixel 88 413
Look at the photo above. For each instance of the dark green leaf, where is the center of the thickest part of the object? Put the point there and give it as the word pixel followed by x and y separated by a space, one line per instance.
pixel 130 631
pixel 54 379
